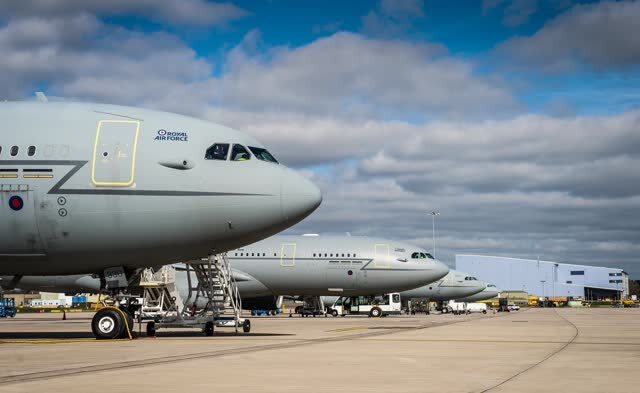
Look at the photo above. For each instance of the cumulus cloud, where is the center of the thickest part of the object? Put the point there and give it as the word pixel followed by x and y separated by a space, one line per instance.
pixel 350 73
pixel 601 36
pixel 80 56
pixel 183 12
pixel 389 129
pixel 392 17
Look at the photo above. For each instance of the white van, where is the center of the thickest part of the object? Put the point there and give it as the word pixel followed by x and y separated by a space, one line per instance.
pixel 466 308
pixel 373 306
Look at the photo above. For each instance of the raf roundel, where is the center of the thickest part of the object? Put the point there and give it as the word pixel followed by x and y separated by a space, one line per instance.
pixel 16 203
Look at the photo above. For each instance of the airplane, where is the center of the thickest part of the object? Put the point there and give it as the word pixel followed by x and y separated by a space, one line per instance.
pixel 102 189
pixel 489 292
pixel 301 265
pixel 454 285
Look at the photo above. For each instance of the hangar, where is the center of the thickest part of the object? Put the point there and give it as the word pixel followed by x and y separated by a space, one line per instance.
pixel 547 278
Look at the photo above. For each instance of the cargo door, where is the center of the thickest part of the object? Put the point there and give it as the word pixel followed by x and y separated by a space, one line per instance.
pixel 114 153
pixel 342 274
pixel 19 235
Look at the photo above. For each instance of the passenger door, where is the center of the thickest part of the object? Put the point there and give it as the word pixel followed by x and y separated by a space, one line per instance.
pixel 382 256
pixel 288 255
pixel 114 153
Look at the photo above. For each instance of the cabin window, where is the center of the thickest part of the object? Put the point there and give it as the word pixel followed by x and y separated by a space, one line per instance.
pixel 262 154
pixel 31 151
pixel 218 151
pixel 239 153
pixel 14 151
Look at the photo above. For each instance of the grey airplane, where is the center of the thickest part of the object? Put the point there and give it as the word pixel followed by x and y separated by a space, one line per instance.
pixel 454 285
pixel 489 292
pixel 109 190
pixel 300 265
pixel 89 187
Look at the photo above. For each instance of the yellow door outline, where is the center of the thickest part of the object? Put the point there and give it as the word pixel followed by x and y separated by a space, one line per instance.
pixel 289 261
pixel 133 159
pixel 381 259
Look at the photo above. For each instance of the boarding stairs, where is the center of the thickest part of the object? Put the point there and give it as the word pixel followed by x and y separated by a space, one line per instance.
pixel 213 298
pixel 160 294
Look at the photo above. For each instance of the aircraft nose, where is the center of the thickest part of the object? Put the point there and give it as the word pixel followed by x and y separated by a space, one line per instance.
pixel 433 271
pixel 299 197
pixel 440 269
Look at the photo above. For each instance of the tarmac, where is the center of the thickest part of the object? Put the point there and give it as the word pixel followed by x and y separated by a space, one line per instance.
pixel 553 350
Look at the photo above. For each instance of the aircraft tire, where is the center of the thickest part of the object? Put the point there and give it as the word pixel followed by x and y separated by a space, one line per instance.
pixel 107 324
pixel 375 312
pixel 129 320
pixel 208 329
pixel 246 326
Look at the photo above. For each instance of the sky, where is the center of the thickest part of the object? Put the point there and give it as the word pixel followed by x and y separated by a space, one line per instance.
pixel 519 121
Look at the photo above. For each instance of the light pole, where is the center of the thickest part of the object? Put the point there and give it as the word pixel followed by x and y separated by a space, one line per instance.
pixel 433 221
pixel 544 300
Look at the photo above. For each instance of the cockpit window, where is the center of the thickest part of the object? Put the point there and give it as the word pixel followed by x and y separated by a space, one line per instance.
pixel 471 279
pixel 239 153
pixel 421 255
pixel 262 154
pixel 218 151
pixel 491 286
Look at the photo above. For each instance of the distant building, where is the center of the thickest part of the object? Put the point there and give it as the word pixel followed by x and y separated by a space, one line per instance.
pixel 547 279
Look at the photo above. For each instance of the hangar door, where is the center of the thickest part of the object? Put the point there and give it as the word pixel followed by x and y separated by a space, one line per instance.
pixel 114 153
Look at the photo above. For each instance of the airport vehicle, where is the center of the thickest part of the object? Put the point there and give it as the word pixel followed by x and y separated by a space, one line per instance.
pixel 108 190
pixel 489 292
pixel 7 308
pixel 457 307
pixel 371 305
pixel 513 307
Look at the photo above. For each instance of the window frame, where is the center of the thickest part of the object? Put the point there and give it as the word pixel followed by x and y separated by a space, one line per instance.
pixel 245 150
pixel 262 149
pixel 226 157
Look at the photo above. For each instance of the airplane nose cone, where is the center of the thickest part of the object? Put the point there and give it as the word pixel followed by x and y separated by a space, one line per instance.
pixel 440 269
pixel 299 197
pixel 430 272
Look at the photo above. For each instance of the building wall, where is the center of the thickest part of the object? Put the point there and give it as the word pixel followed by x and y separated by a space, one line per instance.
pixel 541 278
